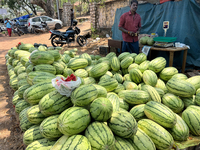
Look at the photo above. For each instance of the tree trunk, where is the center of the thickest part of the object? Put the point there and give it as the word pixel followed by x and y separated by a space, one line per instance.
pixel 46 6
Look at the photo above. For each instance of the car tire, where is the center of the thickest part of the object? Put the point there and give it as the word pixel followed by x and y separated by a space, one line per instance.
pixel 58 26
pixel 1 29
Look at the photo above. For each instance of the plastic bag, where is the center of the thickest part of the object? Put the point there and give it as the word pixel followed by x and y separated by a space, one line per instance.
pixel 65 87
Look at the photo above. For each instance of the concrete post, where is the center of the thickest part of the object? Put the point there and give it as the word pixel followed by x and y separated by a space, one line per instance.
pixel 66 13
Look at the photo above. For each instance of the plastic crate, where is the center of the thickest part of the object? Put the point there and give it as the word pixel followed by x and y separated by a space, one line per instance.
pixel 165 39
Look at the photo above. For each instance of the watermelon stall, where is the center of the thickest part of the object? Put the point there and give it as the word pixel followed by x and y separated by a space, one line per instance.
pixel 122 102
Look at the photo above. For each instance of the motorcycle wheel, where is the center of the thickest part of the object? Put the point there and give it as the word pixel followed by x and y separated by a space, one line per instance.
pixel 81 40
pixel 54 43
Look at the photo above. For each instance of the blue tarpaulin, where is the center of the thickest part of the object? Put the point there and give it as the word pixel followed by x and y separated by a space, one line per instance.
pixel 23 17
pixel 184 23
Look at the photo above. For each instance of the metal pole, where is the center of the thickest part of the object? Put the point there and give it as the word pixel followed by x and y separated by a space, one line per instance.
pixel 58 9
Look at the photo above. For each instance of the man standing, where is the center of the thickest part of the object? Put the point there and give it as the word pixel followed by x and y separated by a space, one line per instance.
pixel 130 25
pixel 72 17
pixel 8 26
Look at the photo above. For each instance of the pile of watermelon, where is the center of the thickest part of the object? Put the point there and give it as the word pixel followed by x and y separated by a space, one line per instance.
pixel 124 102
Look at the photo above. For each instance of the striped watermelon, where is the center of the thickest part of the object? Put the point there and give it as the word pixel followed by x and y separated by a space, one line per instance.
pixel 32 134
pixel 81 73
pixel 173 102
pixel 124 71
pixel 188 101
pixel 126 62
pixel 66 58
pixel 123 104
pixel 115 64
pixel 105 77
pixel 21 89
pixel 78 142
pixel 191 117
pixel 97 57
pixel 141 57
pixel 13 84
pixel 144 66
pixel 84 95
pixel 118 77
pixel 58 67
pixel 109 84
pixel 89 80
pixel 37 91
pixel 79 63
pixel 43 144
pixel 98 70
pixel 141 141
pixel 168 73
pixel 130 85
pixel 127 77
pixel 195 81
pixel 41 57
pixel 157 64
pixel 123 55
pixel 114 99
pixel 67 72
pixel 160 84
pixel 34 115
pixel 132 66
pixel 119 88
pixel 101 109
pixel 160 114
pixel 25 124
pixel 160 92
pixel 33 74
pixel 111 55
pixel 39 79
pixel 123 124
pixel 109 73
pixel 180 76
pixel 60 142
pixel 73 120
pixel 136 75
pixel 198 91
pixel 134 96
pixel 21 70
pixel 49 128
pixel 154 130
pixel 22 104
pixel 197 99
pixel 138 112
pixel 29 68
pixel 122 143
pixel 54 103
pixel 45 68
pixel 149 77
pixel 101 90
pixel 154 95
pixel 180 132
pixel 180 88
pixel 100 132
pixel 55 54
pixel 16 99
pixel 86 56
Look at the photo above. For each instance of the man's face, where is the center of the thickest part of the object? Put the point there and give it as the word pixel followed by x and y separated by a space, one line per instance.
pixel 134 7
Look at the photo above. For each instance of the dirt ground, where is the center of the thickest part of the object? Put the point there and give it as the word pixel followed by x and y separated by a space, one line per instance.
pixel 10 133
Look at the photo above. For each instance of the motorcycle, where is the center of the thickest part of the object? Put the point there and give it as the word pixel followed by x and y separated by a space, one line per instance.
pixel 43 27
pixel 71 35
pixel 16 30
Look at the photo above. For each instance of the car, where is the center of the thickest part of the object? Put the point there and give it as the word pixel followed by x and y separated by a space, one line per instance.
pixel 52 23
pixel 2 28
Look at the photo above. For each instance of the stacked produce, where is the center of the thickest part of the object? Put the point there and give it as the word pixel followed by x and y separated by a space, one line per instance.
pixel 124 102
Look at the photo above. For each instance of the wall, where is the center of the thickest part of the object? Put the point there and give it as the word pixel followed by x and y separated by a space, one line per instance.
pixel 65 17
pixel 102 16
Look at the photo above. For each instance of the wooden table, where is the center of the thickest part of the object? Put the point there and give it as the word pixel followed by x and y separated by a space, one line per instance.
pixel 171 51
